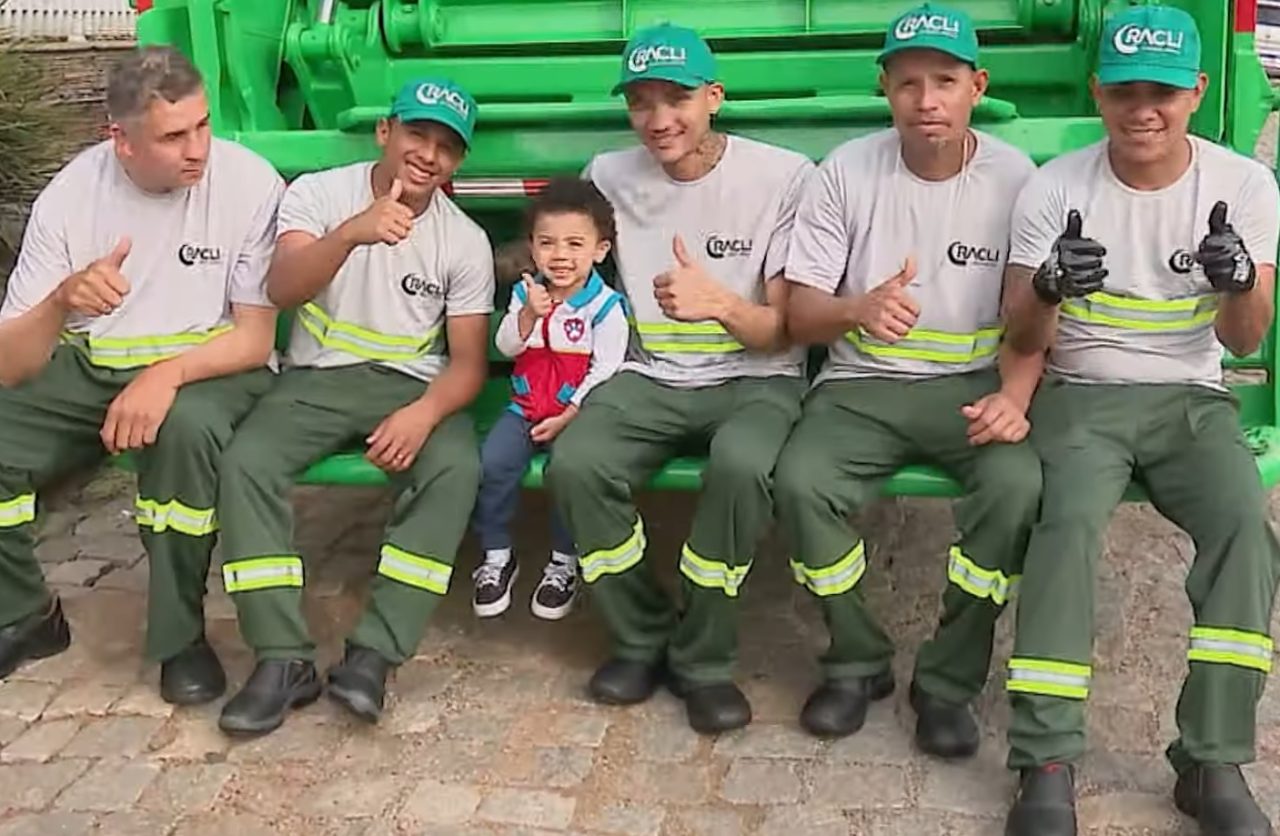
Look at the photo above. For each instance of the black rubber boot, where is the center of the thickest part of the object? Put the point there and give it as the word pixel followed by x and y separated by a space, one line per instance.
pixel 1046 804
pixel 37 636
pixel 193 677
pixel 1217 796
pixel 623 682
pixel 274 687
pixel 944 729
pixel 838 708
pixel 713 708
pixel 359 682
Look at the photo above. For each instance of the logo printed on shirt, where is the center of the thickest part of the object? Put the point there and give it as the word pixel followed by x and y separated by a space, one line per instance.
pixel 193 254
pixel 574 329
pixel 962 255
pixel 718 247
pixel 415 285
pixel 1181 262
pixel 934 24
pixel 1130 39
pixel 430 94
pixel 642 56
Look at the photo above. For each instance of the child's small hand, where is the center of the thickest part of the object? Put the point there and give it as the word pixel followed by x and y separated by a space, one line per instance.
pixel 539 300
pixel 548 428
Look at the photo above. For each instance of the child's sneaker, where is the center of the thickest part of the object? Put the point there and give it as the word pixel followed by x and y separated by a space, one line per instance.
pixel 494 579
pixel 554 596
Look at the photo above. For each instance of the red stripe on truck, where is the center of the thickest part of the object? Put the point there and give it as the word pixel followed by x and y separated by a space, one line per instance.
pixel 1246 16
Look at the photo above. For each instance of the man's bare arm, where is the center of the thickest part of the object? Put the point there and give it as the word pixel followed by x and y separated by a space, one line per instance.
pixel 1030 322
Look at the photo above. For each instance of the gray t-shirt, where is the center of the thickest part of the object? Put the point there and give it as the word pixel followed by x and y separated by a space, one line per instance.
pixel 736 221
pixel 386 304
pixel 195 251
pixel 865 212
pixel 1153 321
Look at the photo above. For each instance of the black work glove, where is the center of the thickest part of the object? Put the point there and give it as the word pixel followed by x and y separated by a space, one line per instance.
pixel 1074 267
pixel 1223 256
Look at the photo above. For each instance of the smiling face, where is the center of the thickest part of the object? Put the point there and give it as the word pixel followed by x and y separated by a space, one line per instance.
pixel 672 121
pixel 166 146
pixel 931 95
pixel 424 155
pixel 566 246
pixel 1147 122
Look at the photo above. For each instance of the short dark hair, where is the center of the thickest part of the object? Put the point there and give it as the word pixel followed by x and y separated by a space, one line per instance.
pixel 147 74
pixel 565 195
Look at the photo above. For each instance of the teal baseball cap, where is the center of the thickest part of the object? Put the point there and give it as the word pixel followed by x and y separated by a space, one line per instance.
pixel 667 52
pixel 933 26
pixel 437 100
pixel 1160 44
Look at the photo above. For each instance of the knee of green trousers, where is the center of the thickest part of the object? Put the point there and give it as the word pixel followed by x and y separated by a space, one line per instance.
pixel 591 492
pixel 813 509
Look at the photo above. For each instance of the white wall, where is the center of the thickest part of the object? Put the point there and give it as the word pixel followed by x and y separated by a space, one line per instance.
pixel 74 20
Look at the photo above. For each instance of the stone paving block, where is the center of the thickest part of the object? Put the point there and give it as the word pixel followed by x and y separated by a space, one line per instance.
pixel 353 796
pixel 527 808
pixel 303 737
pixel 762 782
pixel 969 826
pixel 434 803
pixel 1128 810
pixel 559 767
pixel 809 821
pixel 143 699
pixel 911 823
pixel 110 786
pixel 119 737
pixel 460 761
pixel 854 787
pixel 224 823
pixel 24 700
pixel 412 716
pixel 32 786
pixel 41 741
pixel 11 728
pixel 980 787
pixel 80 572
pixel 1125 729
pixel 881 740
pixel 145 823
pixel 84 699
pixel 188 788
pixel 669 783
pixel 573 727
pixel 623 819
pixel 50 824
pixel 704 821
pixel 665 741
pixel 57 550
pixel 1101 771
pixel 482 724
pixel 767 741
pixel 192 736
pixel 131 579
pixel 501 685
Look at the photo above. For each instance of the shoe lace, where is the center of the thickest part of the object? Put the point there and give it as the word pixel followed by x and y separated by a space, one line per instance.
pixel 488 573
pixel 559 575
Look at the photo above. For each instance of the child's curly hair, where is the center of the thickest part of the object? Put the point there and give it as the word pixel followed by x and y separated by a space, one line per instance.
pixel 564 195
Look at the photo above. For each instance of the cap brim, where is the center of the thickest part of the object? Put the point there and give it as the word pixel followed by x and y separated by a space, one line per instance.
pixel 675 75
pixel 1183 79
pixel 889 52
pixel 456 125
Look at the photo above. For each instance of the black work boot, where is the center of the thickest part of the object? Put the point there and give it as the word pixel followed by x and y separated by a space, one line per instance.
pixel 1217 796
pixel 945 729
pixel 192 676
pixel 359 682
pixel 274 687
pixel 37 636
pixel 623 682
pixel 838 707
pixel 1046 804
pixel 714 707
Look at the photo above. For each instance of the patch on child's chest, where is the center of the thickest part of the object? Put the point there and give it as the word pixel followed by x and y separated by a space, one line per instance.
pixel 575 329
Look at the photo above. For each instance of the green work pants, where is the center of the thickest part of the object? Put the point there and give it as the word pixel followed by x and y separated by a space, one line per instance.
pixel 854 435
pixel 49 427
pixel 628 428
pixel 310 414
pixel 1185 447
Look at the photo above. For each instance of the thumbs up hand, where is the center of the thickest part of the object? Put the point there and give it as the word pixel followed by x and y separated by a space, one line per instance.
pixel 1074 268
pixel 1227 264
pixel 538 300
pixel 887 312
pixel 688 293
pixel 100 288
pixel 387 220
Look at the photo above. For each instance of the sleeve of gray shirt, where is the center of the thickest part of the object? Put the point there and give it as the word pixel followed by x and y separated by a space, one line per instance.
pixel 1257 218
pixel 1039 217
pixel 249 276
pixel 775 259
pixel 471 282
pixel 43 259
pixel 304 208
pixel 822 234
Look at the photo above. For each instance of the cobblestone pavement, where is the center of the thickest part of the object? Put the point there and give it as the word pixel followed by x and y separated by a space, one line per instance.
pixel 489 731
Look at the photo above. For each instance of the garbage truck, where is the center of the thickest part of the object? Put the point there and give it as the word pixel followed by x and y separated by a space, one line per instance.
pixel 303 82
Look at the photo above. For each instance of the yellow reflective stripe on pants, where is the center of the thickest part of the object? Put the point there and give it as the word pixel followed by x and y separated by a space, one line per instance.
pixel 1225 646
pixel 836 579
pixel 1049 677
pixel 262 573
pixel 712 574
pixel 980 582
pixel 1143 314
pixel 687 338
pixel 135 352
pixel 936 346
pixel 161 516
pixel 369 345
pixel 415 570
pixel 18 511
pixel 616 560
